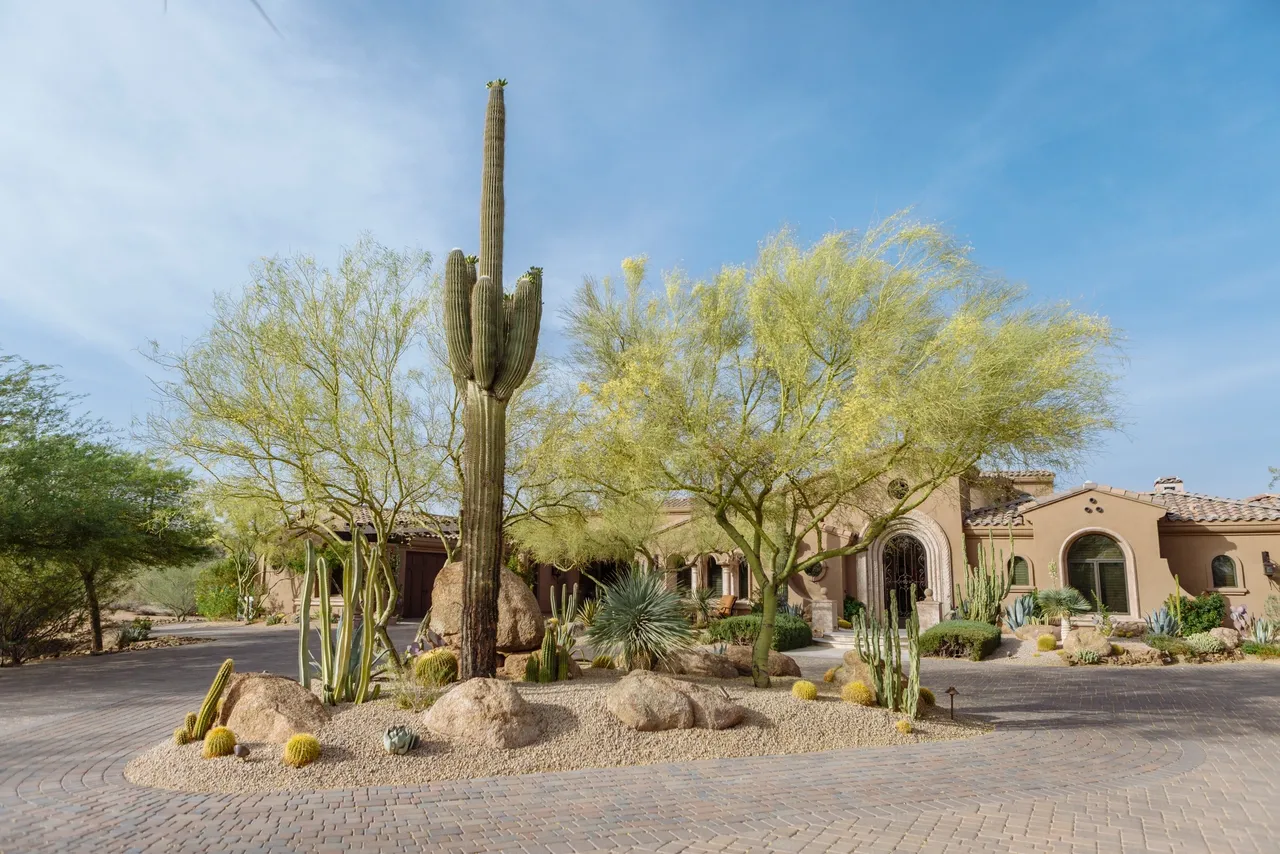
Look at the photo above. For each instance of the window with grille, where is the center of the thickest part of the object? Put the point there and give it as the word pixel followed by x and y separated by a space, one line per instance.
pixel 1095 567
pixel 1224 572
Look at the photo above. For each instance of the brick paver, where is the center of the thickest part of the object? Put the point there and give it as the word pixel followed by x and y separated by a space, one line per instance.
pixel 1178 759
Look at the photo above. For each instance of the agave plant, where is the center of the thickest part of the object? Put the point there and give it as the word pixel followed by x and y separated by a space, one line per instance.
pixel 1062 603
pixel 588 611
pixel 640 620
pixel 399 740
pixel 1263 631
pixel 1162 622
pixel 1021 612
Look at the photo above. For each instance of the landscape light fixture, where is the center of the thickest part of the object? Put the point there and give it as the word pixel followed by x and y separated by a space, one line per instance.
pixel 952 692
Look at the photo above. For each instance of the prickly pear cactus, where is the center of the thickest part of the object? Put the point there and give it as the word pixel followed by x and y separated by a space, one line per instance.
pixel 492 339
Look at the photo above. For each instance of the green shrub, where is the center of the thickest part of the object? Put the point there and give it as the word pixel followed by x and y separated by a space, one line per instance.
pixel 1205 612
pixel 38 603
pixel 1262 650
pixel 960 639
pixel 852 608
pixel 1088 656
pixel 216 592
pixel 788 632
pixel 138 629
pixel 1169 645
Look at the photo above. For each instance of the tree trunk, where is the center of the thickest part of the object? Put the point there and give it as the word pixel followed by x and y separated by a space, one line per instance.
pixel 95 608
pixel 764 640
pixel 484 458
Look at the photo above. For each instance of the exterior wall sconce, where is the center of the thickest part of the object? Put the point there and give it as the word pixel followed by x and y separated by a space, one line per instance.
pixel 1267 566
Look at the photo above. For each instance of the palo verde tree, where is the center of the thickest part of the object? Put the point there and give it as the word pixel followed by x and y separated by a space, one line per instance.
pixel 298 399
pixel 492 339
pixel 795 391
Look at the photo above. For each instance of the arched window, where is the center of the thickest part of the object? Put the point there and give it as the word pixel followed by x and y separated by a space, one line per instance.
pixel 715 577
pixel 1224 572
pixel 1019 571
pixel 1095 567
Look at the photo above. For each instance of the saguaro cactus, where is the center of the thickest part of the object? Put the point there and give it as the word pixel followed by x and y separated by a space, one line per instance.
pixel 492 340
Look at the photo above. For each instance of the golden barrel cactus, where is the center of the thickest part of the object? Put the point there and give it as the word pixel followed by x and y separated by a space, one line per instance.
pixel 219 741
pixel 804 690
pixel 301 749
pixel 858 693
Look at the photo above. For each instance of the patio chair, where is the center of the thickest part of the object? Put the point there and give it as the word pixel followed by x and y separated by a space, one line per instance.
pixel 725 608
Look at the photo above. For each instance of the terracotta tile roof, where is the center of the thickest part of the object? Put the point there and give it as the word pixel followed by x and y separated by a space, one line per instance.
pixel 407 524
pixel 1193 507
pixel 1018 473
pixel 1270 498
pixel 1182 507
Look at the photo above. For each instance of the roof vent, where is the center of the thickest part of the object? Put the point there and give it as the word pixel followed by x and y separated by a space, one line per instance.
pixel 1089 483
pixel 1169 484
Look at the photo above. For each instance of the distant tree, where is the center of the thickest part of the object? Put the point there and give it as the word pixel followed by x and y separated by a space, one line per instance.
pixel 171 587
pixel 39 602
pixel 798 389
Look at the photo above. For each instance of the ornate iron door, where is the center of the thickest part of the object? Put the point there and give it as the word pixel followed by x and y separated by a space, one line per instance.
pixel 904 565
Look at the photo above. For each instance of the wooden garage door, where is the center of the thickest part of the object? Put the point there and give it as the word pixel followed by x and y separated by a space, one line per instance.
pixel 420 569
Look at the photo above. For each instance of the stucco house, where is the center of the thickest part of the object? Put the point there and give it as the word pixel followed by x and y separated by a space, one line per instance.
pixel 1124 546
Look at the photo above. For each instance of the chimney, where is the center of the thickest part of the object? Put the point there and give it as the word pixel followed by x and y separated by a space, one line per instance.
pixel 1168 484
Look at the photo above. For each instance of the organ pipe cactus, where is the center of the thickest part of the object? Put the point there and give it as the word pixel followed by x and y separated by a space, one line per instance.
pixel 985 586
pixel 879 646
pixel 492 339
pixel 347 659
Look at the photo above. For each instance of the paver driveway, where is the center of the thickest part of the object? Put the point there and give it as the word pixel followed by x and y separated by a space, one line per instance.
pixel 1083 759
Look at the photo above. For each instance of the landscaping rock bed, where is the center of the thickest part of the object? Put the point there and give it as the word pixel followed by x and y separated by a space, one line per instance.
pixel 577 731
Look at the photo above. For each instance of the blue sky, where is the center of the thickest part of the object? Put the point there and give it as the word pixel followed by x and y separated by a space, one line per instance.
pixel 1122 156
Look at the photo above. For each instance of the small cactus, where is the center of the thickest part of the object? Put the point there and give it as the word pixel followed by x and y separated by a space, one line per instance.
pixel 1046 643
pixel 603 661
pixel 209 707
pixel 904 726
pixel 399 740
pixel 926 697
pixel 436 667
pixel 301 749
pixel 189 724
pixel 181 736
pixel 804 690
pixel 219 741
pixel 830 675
pixel 531 668
pixel 859 694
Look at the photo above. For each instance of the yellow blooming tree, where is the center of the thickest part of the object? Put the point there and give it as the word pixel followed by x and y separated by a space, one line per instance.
pixel 796 390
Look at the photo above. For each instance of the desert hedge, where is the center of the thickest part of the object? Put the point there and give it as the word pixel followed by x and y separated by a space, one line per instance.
pixel 789 632
pixel 960 639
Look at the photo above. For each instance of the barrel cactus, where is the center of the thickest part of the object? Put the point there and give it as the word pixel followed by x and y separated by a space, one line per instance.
pixel 301 749
pixel 803 690
pixel 399 740
pixel 858 693
pixel 492 339
pixel 219 741
pixel 181 736
pixel 436 667
pixel 603 661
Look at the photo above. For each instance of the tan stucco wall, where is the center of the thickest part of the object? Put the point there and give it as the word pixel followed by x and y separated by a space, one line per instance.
pixel 1190 549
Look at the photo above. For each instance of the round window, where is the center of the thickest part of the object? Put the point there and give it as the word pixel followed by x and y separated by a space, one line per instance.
pixel 898 489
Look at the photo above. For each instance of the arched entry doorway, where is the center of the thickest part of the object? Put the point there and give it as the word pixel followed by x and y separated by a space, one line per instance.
pixel 905 564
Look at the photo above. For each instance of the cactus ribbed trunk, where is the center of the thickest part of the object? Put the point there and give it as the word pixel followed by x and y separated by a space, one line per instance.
pixel 484 469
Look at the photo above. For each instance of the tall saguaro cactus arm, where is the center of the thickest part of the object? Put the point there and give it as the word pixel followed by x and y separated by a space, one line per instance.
pixel 492 340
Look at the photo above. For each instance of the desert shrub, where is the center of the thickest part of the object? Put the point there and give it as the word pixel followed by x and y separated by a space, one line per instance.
pixel 173 588
pixel 1203 643
pixel 216 592
pixel 1046 643
pixel 1087 656
pixel 640 621
pixel 960 639
pixel 38 603
pixel 852 608
pixel 436 667
pixel 1117 649
pixel 1169 645
pixel 858 693
pixel 137 629
pixel 274 619
pixel 927 698
pixel 903 726
pixel 789 632
pixel 1205 612
pixel 804 690
pixel 1262 650
pixel 830 675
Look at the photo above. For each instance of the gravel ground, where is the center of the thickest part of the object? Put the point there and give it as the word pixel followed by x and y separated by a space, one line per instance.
pixel 580 733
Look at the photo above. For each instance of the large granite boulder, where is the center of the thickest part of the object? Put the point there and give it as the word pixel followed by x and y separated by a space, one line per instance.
pixel 513 665
pixel 699 662
pixel 485 712
pixel 1230 637
pixel 270 708
pixel 1079 640
pixel 650 702
pixel 520 621
pixel 779 664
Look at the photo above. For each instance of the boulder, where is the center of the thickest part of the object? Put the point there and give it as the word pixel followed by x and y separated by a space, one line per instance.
pixel 514 664
pixel 650 702
pixel 1033 632
pixel 270 708
pixel 1090 639
pixel 854 669
pixel 1230 637
pixel 485 712
pixel 699 662
pixel 1141 654
pixel 520 621
pixel 779 664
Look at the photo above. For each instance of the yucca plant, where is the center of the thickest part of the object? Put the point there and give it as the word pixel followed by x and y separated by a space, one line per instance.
pixel 1063 603
pixel 699 604
pixel 640 620
pixel 588 611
